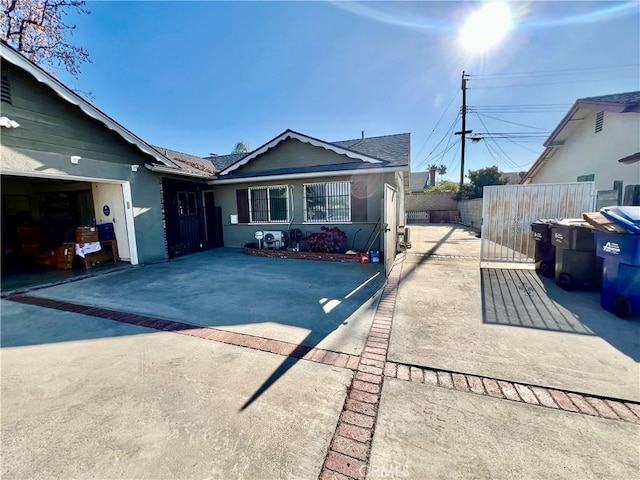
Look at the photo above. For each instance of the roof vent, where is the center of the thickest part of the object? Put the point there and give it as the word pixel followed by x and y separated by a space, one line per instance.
pixel 6 90
pixel 599 121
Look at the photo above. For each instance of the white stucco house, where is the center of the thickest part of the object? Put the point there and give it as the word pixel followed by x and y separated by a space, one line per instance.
pixel 597 140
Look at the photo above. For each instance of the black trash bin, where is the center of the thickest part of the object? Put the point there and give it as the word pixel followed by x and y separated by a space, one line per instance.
pixel 545 252
pixel 577 265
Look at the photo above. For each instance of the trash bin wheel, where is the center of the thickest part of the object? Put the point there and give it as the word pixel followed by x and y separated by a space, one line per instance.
pixel 546 269
pixel 622 307
pixel 566 282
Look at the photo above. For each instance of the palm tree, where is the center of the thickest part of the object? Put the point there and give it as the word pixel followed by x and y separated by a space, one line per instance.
pixel 442 171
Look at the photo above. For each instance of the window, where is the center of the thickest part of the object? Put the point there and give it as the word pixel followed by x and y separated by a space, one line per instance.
pixel 599 121
pixel 587 178
pixel 269 204
pixel 327 202
pixel 186 203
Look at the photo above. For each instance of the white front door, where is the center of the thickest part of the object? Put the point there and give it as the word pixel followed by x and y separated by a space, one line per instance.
pixel 108 201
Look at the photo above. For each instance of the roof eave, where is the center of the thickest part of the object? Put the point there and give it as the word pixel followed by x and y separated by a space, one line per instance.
pixel 298 176
pixel 19 61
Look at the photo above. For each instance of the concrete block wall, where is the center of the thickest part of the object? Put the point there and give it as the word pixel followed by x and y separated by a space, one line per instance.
pixel 420 202
pixel 471 212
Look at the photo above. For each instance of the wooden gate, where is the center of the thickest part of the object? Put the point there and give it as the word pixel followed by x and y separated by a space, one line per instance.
pixel 389 225
pixel 509 210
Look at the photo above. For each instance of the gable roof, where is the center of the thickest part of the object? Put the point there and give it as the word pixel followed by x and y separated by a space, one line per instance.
pixel 615 103
pixel 371 154
pixel 341 149
pixel 20 61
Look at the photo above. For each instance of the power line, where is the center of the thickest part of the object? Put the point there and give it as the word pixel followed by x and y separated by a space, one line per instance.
pixel 511 162
pixel 437 123
pixel 449 131
pixel 513 123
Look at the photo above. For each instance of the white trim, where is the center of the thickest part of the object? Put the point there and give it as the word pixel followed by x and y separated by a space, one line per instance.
pixel 57 176
pixel 129 220
pixel 63 92
pixel 296 176
pixel 302 138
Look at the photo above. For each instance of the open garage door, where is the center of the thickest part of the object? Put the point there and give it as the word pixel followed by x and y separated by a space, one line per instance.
pixel 509 210
pixel 40 216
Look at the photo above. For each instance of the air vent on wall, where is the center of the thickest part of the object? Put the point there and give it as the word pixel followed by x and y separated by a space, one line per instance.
pixel 599 121
pixel 6 90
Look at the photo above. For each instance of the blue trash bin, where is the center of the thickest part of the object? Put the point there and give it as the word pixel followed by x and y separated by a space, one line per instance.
pixel 620 273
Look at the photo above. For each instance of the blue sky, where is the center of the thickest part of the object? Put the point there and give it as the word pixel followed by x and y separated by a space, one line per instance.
pixel 200 76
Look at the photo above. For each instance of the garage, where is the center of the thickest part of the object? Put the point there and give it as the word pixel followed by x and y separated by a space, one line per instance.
pixel 40 217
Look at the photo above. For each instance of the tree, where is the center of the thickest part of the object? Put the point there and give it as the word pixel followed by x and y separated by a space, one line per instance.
pixel 37 29
pixel 442 171
pixel 446 187
pixel 479 179
pixel 241 147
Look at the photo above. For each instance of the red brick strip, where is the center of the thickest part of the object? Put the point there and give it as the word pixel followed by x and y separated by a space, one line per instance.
pixel 610 408
pixel 348 454
pixel 287 349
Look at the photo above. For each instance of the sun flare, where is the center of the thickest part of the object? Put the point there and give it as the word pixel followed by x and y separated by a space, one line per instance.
pixel 486 27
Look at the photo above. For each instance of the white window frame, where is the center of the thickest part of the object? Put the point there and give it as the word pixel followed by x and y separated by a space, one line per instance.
pixel 304 189
pixel 268 188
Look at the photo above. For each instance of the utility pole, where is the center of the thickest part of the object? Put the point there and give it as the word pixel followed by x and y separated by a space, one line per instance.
pixel 463 133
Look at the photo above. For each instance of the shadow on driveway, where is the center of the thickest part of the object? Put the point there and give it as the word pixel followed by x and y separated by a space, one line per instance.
pixel 309 303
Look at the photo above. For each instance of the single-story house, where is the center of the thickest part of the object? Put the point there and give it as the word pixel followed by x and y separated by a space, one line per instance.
pixel 597 141
pixel 295 181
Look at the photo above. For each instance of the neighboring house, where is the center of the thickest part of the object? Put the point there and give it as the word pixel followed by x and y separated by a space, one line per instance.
pixel 513 178
pixel 299 182
pixel 595 141
pixel 65 164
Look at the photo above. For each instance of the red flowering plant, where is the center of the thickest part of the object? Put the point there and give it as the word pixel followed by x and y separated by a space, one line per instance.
pixel 328 240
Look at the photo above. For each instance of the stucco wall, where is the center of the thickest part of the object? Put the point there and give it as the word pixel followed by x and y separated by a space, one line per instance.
pixel 51 130
pixel 586 152
pixel 430 201
pixel 241 234
pixel 471 212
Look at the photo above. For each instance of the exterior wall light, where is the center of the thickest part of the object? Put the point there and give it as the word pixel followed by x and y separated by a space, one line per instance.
pixel 134 168
pixel 74 159
pixel 6 122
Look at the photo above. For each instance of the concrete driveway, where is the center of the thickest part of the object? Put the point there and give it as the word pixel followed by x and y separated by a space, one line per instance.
pixel 304 302
pixel 88 397
pixel 114 377
pixel 94 398
pixel 507 323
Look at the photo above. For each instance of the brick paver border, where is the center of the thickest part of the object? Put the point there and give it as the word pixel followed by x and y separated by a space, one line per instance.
pixel 594 405
pixel 287 349
pixel 348 455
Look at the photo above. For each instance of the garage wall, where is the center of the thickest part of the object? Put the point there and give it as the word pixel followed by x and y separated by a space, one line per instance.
pixel 51 130
pixel 241 234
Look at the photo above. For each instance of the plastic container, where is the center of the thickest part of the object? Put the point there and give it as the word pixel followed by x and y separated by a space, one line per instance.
pixel 545 251
pixel 620 274
pixel 577 265
pixel 106 232
pixel 374 256
pixel 364 258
